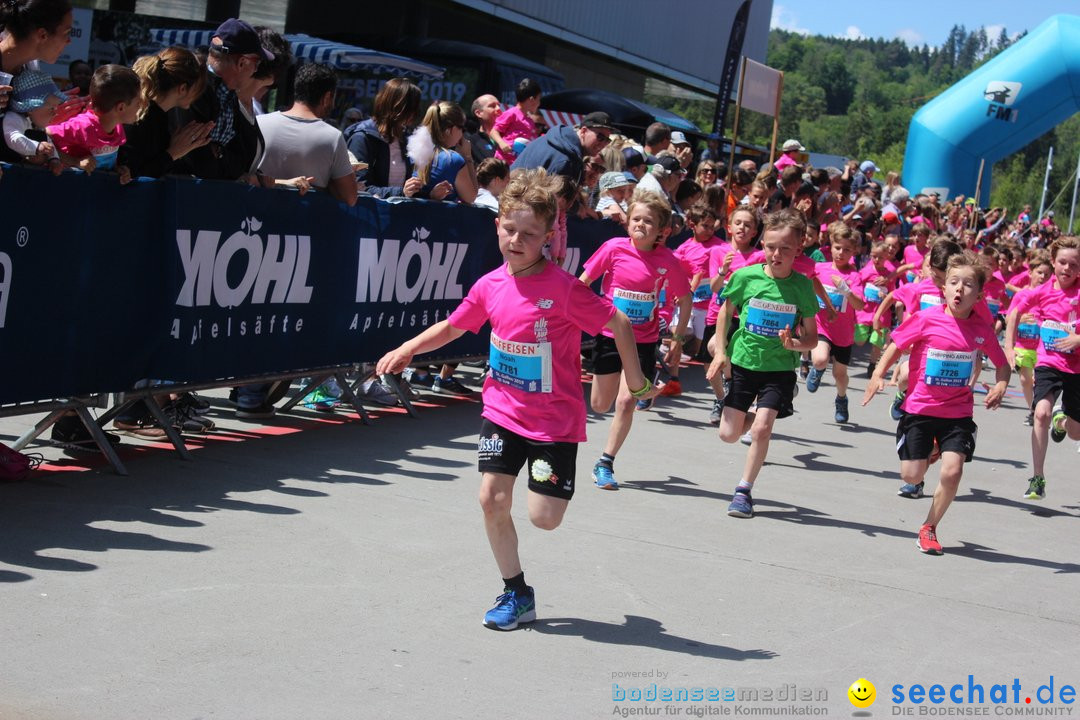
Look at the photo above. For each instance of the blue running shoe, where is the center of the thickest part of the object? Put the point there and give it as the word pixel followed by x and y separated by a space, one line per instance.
pixel 742 505
pixel 841 415
pixel 511 609
pixel 604 477
pixel 813 379
pixel 911 491
pixel 896 410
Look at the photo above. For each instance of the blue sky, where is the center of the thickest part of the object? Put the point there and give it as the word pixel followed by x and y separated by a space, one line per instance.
pixel 915 21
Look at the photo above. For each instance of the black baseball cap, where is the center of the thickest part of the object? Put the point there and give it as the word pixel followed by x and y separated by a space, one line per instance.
pixel 633 157
pixel 239 38
pixel 597 120
pixel 671 164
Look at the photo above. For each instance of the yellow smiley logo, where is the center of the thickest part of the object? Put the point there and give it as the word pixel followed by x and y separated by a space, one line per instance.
pixel 862 693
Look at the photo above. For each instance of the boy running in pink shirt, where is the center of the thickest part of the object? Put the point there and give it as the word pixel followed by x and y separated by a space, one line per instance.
pixel 634 269
pixel 534 413
pixel 836 335
pixel 1057 370
pixel 944 342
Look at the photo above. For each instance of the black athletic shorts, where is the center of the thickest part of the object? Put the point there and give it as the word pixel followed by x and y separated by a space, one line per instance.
pixel 771 389
pixel 839 353
pixel 915 435
pixel 551 464
pixel 606 359
pixel 1049 381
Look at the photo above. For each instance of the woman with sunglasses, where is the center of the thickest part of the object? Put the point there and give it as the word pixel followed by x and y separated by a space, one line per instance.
pixel 706 174
pixel 442 155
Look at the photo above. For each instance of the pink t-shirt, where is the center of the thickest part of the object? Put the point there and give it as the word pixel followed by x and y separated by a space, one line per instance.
pixel 873 295
pixel 994 293
pixel 511 125
pixel 695 259
pixel 633 280
pixel 943 354
pixel 841 331
pixel 533 387
pixel 784 161
pixel 1027 332
pixel 918 296
pixel 913 256
pixel 82 136
pixel 1058 312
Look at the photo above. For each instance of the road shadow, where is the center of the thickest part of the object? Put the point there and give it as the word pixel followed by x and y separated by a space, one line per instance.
pixel 53 521
pixel 988 554
pixel 642 632
pixel 985 496
pixel 810 461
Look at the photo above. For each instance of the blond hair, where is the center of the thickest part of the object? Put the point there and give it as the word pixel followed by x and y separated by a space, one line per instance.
pixel 655 204
pixel 530 190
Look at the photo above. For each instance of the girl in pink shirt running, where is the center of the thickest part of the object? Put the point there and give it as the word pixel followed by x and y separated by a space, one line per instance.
pixel 534 413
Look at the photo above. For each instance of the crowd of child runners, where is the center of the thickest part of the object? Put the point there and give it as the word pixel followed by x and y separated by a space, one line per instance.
pixel 770 274
pixel 784 283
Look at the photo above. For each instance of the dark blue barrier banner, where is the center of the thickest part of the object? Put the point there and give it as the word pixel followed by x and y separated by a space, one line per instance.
pixel 103 285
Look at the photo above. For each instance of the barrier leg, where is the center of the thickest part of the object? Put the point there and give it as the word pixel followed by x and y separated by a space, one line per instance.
pixel 42 425
pixel 316 381
pixel 102 441
pixel 166 425
pixel 351 397
pixel 392 382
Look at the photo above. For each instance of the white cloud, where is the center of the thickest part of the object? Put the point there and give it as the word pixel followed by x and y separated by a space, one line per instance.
pixel 911 37
pixel 992 31
pixel 784 19
pixel 853 33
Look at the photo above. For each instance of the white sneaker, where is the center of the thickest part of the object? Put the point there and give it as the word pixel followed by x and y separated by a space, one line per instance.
pixel 746 439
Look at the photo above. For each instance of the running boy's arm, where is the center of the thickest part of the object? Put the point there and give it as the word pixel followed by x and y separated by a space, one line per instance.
pixel 720 359
pixel 1011 322
pixel 819 290
pixel 1002 375
pixel 886 302
pixel 433 338
pixel 807 340
pixel 678 335
pixel 877 380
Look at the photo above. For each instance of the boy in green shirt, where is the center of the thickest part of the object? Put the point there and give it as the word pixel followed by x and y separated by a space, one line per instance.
pixel 773 302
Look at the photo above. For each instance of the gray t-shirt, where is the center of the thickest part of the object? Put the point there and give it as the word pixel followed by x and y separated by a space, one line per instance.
pixel 296 146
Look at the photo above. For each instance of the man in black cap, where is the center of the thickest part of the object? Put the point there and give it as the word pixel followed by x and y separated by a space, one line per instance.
pixel 561 150
pixel 234 56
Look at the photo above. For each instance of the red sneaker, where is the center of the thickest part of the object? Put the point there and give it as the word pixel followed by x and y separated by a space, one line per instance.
pixel 928 542
pixel 671 388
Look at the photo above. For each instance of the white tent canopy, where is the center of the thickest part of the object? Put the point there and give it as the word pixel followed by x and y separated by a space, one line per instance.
pixel 317 50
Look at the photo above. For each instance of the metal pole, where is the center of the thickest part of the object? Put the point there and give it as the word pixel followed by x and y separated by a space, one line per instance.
pixel 1076 182
pixel 1046 181
pixel 735 130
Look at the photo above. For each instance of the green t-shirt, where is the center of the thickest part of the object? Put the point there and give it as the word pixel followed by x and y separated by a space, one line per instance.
pixel 766 306
pixel 815 254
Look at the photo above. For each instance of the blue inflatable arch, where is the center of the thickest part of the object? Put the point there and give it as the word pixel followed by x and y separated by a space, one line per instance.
pixel 996 110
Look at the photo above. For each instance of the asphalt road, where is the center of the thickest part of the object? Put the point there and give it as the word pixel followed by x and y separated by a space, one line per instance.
pixel 312 567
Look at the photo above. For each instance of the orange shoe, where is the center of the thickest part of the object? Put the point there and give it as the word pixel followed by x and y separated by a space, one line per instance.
pixel 671 388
